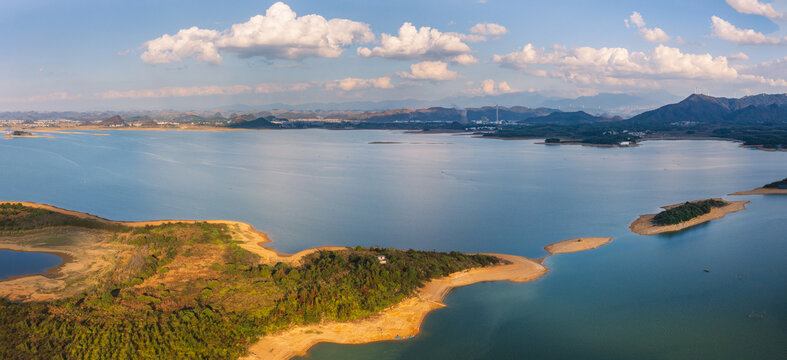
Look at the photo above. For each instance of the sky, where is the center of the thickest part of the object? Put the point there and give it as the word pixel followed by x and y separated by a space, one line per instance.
pixel 197 54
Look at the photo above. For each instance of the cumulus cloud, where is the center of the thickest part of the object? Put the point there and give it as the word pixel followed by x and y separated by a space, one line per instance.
pixel 489 29
pixel 739 57
pixel 279 34
pixel 722 29
pixel 429 70
pixel 662 61
pixel 187 43
pixel 621 67
pixel 768 70
pixel 490 87
pixel 655 35
pixel 422 43
pixel 756 8
pixel 349 84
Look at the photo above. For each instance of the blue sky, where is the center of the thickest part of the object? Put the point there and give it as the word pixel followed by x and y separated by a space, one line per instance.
pixel 100 55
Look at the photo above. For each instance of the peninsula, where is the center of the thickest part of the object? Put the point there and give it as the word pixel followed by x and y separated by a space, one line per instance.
pixel 211 289
pixel 774 188
pixel 681 216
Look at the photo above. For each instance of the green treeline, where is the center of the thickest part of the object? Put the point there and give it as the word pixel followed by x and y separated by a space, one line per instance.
pixel 776 184
pixel 15 217
pixel 686 212
pixel 220 301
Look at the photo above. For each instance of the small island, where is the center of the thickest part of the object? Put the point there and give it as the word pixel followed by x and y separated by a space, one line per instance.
pixel 681 216
pixel 774 188
pixel 211 289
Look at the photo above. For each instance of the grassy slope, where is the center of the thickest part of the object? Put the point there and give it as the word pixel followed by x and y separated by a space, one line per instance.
pixel 188 291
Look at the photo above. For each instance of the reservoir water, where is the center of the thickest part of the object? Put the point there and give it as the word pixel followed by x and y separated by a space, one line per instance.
pixel 18 263
pixel 643 297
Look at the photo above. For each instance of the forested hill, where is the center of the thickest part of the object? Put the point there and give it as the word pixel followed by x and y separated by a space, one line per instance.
pixel 749 110
pixel 189 291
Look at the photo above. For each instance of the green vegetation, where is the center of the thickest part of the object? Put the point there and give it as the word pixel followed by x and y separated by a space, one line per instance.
pixel 189 291
pixel 686 212
pixel 776 184
pixel 603 134
pixel 15 217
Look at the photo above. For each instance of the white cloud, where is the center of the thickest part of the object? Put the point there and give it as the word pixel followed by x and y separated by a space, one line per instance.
pixel 739 57
pixel 187 43
pixel 490 87
pixel 722 29
pixel 635 19
pixel 756 8
pixel 429 70
pixel 654 35
pixel 349 84
pixel 620 67
pixel 423 43
pixel 662 61
pixel 279 34
pixel 489 29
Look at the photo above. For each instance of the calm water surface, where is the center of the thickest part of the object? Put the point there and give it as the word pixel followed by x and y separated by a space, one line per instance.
pixel 18 263
pixel 643 297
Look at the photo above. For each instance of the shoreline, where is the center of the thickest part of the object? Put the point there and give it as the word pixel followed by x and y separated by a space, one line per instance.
pixel 399 321
pixel 644 226
pixel 404 320
pixel 761 191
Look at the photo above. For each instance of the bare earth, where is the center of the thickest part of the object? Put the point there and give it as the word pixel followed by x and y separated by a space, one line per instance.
pixel 762 191
pixel 88 257
pixel 578 244
pixel 644 226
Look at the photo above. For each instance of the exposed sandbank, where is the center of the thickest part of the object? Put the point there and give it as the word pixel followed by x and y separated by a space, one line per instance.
pixel 644 225
pixel 762 191
pixel 577 244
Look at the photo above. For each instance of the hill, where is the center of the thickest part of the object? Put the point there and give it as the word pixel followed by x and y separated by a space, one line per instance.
pixel 706 109
pixel 514 113
pixel 114 121
pixel 259 123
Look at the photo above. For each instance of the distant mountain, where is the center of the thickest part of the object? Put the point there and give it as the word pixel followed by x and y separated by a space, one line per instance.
pixel 616 104
pixel 514 113
pixel 567 118
pixel 433 114
pixel 112 121
pixel 705 109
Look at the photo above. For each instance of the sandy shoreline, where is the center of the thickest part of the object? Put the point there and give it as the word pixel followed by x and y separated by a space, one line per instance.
pixel 762 191
pixel 83 261
pixel 405 318
pixel 577 244
pixel 644 226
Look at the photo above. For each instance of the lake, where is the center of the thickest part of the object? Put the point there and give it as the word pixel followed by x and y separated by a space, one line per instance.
pixel 18 263
pixel 644 297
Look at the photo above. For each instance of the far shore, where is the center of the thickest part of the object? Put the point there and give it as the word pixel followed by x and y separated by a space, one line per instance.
pixel 762 191
pixel 400 321
pixel 644 225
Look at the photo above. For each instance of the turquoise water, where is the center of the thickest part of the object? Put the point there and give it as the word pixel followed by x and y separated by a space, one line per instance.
pixel 18 263
pixel 643 297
